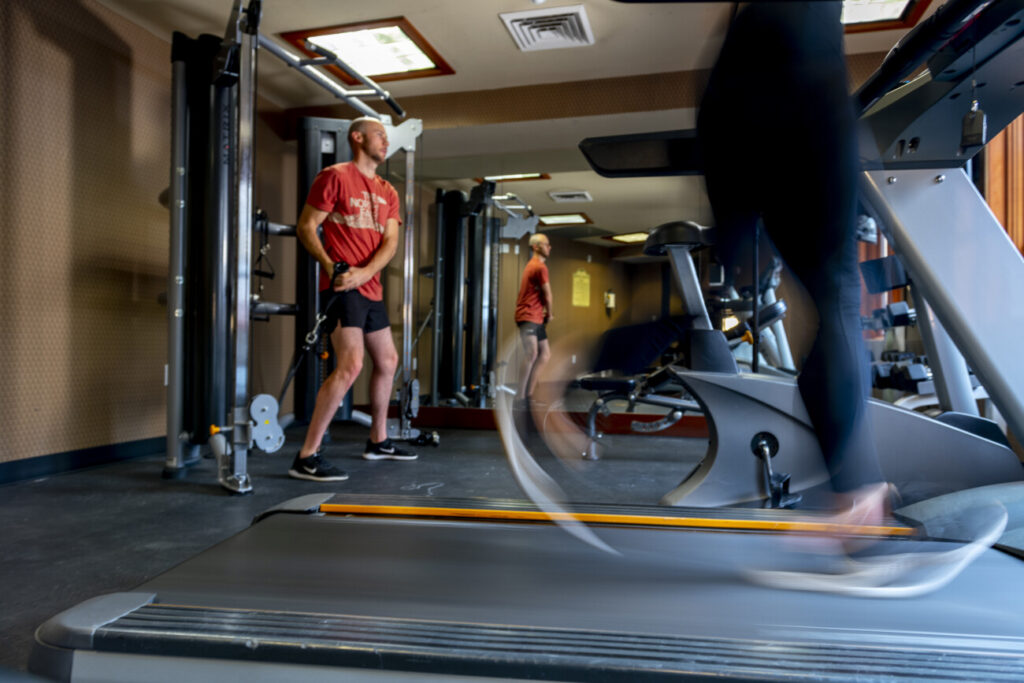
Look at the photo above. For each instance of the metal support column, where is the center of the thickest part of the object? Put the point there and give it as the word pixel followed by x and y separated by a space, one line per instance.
pixel 175 459
pixel 234 471
pixel 408 265
pixel 440 307
pixel 949 369
pixel 409 390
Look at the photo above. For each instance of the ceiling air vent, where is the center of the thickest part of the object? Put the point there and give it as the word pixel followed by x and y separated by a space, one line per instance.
pixel 548 29
pixel 571 196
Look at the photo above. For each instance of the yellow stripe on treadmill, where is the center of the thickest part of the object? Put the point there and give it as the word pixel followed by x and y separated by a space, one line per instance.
pixel 802 525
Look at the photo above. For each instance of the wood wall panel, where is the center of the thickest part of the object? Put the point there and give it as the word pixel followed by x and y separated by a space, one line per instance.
pixel 647 92
pixel 1004 179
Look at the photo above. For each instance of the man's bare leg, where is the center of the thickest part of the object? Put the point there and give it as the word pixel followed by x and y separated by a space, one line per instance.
pixel 543 356
pixel 381 347
pixel 348 352
pixel 530 352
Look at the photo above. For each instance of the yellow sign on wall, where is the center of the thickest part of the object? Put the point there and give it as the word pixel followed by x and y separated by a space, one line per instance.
pixel 581 288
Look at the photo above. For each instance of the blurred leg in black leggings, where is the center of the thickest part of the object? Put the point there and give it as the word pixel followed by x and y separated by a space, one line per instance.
pixel 777 132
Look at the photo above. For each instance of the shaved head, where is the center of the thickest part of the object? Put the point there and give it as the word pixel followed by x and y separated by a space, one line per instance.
pixel 368 139
pixel 361 125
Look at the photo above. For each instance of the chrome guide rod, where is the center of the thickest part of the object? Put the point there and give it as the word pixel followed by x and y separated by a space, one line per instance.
pixel 175 457
pixel 317 76
pixel 408 272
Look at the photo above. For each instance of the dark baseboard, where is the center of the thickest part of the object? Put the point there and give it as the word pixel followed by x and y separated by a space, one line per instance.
pixel 46 465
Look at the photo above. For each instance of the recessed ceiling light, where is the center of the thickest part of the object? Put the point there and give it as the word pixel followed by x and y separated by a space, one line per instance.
pixel 871 11
pixel 509 201
pixel 571 196
pixel 372 52
pixel 629 237
pixel 564 219
pixel 515 176
pixel 388 49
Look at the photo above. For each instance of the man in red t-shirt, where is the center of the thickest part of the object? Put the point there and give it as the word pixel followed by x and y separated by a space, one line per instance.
pixel 359 213
pixel 533 311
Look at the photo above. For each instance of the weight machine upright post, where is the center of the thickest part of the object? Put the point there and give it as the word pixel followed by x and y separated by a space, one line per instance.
pixel 474 296
pixel 175 457
pixel 491 363
pixel 242 226
pixel 217 247
pixel 440 308
pixel 405 430
pixel 483 327
pixel 409 274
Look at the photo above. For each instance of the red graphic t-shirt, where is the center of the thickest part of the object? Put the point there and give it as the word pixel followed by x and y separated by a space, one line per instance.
pixel 357 209
pixel 529 305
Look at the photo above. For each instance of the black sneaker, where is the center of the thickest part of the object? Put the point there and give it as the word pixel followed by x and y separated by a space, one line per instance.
pixel 315 468
pixel 386 450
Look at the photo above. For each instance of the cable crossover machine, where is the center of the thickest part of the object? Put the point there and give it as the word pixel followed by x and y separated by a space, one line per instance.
pixel 212 224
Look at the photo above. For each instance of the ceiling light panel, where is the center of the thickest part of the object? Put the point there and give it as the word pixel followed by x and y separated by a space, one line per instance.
pixel 511 177
pixel 631 237
pixel 870 11
pixel 384 50
pixel 564 219
pixel 549 29
pixel 514 176
pixel 571 196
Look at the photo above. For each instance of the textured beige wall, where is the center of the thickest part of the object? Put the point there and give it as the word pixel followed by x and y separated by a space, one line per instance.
pixel 85 134
pixel 84 129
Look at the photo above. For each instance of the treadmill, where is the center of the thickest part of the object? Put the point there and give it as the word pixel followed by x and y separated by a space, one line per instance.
pixel 359 588
pixel 381 589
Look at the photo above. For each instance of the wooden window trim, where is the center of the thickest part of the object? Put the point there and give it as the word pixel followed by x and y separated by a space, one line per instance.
pixel 441 67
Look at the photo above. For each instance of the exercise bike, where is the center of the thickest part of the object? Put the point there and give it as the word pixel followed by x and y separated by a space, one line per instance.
pixel 762 446
pixel 622 367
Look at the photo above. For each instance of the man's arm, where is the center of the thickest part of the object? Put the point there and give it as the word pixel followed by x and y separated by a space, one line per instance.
pixel 305 229
pixel 385 252
pixel 545 298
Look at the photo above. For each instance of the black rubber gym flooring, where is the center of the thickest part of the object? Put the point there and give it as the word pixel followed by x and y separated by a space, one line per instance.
pixel 74 536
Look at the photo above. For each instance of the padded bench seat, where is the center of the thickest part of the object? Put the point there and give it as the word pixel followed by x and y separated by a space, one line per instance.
pixel 623 384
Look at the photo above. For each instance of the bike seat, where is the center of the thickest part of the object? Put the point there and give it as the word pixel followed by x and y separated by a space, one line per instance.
pixel 623 384
pixel 678 233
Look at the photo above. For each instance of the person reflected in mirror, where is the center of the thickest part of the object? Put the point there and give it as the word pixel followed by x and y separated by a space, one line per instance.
pixel 359 212
pixel 533 312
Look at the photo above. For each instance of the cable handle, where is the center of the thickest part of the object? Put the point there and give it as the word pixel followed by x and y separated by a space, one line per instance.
pixel 340 267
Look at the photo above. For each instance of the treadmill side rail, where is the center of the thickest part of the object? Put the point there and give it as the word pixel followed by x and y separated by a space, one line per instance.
pixel 74 629
pixel 308 504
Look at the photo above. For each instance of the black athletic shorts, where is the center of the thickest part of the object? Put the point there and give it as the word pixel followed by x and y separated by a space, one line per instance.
pixel 352 309
pixel 528 329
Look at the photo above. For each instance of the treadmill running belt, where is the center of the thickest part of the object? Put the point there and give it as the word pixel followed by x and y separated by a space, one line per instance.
pixel 528 601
